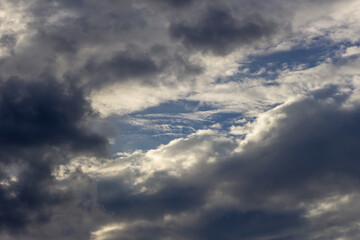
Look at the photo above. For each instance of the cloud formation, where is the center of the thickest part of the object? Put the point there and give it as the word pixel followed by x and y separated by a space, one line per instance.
pixel 186 119
pixel 267 186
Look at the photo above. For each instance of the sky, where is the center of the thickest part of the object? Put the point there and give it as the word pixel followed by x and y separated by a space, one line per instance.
pixel 180 119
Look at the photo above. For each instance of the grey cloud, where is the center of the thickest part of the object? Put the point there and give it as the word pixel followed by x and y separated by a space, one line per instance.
pixel 58 41
pixel 232 224
pixel 106 28
pixel 114 30
pixel 8 41
pixel 220 32
pixel 140 66
pixel 121 67
pixel 307 162
pixel 43 124
pixel 45 113
pixel 173 197
pixel 30 198
pixel 76 28
pixel 177 3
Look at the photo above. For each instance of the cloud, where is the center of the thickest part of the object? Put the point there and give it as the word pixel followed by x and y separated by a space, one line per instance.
pixel 42 124
pixel 232 224
pixel 121 67
pixel 44 113
pixel 219 32
pixel 178 4
pixel 8 42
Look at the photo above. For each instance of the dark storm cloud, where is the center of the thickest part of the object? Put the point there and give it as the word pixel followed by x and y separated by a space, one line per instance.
pixel 45 113
pixel 219 32
pixel 43 123
pixel 30 198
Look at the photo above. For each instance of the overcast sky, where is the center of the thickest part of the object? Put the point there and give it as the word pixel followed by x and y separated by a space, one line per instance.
pixel 180 119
